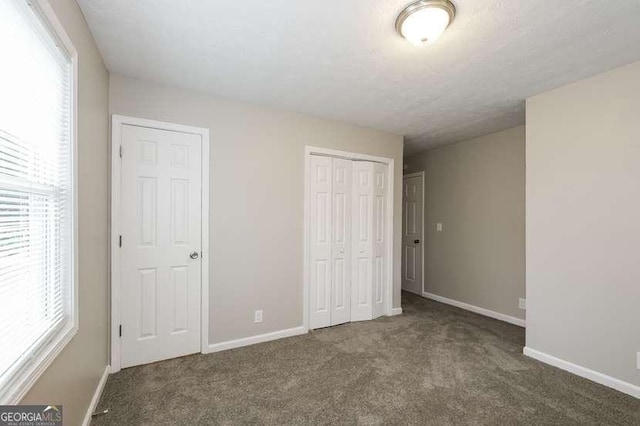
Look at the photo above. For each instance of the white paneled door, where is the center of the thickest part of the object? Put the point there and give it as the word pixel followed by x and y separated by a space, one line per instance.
pixel 320 250
pixel 362 273
pixel 379 253
pixel 412 255
pixel 348 247
pixel 341 249
pixel 161 244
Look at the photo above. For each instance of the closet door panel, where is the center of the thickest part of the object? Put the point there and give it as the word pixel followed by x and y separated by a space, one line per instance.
pixel 361 306
pixel 341 252
pixel 320 241
pixel 380 253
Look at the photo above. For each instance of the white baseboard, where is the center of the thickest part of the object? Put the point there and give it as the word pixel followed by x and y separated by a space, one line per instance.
pixel 478 310
pixel 594 376
pixel 396 311
pixel 260 338
pixel 96 396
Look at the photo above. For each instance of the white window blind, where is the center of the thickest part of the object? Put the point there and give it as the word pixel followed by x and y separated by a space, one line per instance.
pixel 36 199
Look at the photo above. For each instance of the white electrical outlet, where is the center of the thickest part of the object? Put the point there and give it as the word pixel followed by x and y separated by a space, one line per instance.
pixel 522 303
pixel 438 227
pixel 257 316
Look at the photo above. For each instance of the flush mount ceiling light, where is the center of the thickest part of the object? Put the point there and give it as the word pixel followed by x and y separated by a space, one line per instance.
pixel 424 21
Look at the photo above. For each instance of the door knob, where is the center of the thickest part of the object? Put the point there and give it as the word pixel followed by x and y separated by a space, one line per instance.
pixel 416 241
pixel 194 254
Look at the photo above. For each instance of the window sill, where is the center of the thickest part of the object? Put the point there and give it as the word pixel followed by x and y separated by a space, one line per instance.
pixel 30 372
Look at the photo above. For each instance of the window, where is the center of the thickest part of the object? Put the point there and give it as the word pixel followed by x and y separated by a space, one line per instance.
pixel 37 216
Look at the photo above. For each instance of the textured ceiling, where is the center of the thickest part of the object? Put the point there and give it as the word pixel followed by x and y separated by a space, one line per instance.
pixel 342 59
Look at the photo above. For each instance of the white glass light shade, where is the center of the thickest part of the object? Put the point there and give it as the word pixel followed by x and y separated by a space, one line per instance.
pixel 424 21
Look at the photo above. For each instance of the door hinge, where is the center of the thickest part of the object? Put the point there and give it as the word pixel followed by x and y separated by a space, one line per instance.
pixel 120 150
pixel 120 331
pixel 120 241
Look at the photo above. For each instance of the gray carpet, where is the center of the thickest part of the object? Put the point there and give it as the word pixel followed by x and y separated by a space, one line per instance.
pixel 435 364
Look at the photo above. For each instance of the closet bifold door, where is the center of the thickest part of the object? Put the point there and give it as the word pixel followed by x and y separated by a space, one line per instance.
pixel 320 241
pixel 348 247
pixel 341 236
pixel 369 269
pixel 361 269
pixel 380 254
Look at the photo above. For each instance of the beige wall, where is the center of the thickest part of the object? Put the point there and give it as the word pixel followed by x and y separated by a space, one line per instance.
pixel 476 190
pixel 257 191
pixel 583 223
pixel 73 376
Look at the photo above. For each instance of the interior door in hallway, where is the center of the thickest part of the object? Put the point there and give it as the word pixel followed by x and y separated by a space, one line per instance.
pixel 160 214
pixel 412 224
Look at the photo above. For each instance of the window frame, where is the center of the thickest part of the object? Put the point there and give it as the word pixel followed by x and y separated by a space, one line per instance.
pixel 50 345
